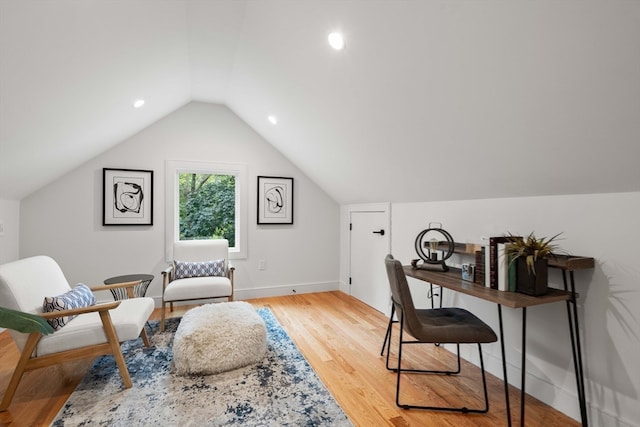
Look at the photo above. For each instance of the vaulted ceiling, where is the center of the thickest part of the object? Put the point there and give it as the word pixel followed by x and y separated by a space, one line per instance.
pixel 430 100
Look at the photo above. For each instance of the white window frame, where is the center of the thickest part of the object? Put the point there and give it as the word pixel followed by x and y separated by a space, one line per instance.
pixel 173 169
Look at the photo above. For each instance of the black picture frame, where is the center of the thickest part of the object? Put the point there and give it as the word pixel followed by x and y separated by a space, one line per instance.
pixel 127 197
pixel 275 200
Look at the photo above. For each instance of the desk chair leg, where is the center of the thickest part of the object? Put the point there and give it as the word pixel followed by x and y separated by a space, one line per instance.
pixel 416 371
pixel 399 370
pixel 387 336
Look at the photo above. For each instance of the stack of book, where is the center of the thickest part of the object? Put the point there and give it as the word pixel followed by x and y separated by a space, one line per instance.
pixel 479 260
pixel 494 268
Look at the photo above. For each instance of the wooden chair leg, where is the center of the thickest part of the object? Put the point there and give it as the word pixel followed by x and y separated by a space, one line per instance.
pixel 27 351
pixel 112 337
pixel 162 316
pixel 145 337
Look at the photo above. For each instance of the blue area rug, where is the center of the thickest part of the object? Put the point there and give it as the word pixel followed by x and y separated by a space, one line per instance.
pixel 281 390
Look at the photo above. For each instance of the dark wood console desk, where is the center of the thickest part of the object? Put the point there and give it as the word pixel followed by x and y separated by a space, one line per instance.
pixel 453 280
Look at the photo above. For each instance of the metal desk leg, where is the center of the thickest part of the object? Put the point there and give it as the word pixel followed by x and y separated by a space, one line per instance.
pixel 504 368
pixel 523 364
pixel 574 330
pixel 431 295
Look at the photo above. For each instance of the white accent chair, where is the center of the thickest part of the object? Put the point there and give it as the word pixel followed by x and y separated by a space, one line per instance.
pixel 197 288
pixel 96 330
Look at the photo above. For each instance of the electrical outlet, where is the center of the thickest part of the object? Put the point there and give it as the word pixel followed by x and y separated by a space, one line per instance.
pixel 262 264
pixel 1 228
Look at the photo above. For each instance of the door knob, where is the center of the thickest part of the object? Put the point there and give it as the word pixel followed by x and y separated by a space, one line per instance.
pixel 381 232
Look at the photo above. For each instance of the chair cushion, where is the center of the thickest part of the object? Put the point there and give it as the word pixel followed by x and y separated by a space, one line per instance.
pixel 197 288
pixel 186 269
pixel 86 329
pixel 80 296
pixel 451 325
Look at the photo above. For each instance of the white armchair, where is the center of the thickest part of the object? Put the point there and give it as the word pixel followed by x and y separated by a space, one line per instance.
pixel 95 330
pixel 200 270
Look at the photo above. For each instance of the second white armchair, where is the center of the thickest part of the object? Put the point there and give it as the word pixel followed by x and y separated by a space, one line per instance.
pixel 200 270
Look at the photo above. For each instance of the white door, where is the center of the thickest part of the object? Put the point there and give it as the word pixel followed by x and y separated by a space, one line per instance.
pixel 368 248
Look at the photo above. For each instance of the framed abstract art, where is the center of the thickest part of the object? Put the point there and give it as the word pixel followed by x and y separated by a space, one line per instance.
pixel 127 196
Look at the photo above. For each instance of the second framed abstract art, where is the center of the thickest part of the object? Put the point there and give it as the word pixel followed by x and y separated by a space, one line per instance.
pixel 275 200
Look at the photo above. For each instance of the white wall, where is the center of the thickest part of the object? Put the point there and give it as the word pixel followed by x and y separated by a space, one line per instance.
pixel 64 219
pixel 603 226
pixel 9 230
pixel 9 226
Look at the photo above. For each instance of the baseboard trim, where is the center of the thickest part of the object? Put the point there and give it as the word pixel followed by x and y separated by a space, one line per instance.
pixel 281 290
pixel 267 291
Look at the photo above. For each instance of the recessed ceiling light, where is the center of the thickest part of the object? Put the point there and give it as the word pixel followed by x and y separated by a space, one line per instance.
pixel 336 41
pixel 139 103
pixel 273 120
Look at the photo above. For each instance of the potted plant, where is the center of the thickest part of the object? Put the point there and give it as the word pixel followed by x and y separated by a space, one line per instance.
pixel 530 256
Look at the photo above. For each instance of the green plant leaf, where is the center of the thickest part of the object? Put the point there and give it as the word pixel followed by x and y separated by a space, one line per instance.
pixel 23 322
pixel 531 248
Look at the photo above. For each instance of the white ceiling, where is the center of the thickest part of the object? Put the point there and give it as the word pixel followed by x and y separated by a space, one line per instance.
pixel 431 100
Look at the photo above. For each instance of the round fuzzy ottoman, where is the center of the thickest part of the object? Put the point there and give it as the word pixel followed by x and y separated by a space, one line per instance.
pixel 219 337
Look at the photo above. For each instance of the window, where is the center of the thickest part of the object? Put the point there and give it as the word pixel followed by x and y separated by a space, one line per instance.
pixel 207 206
pixel 206 201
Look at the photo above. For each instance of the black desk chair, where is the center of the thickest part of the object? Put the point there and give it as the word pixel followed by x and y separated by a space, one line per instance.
pixel 435 325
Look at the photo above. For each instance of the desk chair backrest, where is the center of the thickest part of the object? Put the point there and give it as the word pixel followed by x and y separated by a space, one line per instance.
pixel 401 294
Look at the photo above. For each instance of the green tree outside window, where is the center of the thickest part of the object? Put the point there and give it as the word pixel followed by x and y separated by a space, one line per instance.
pixel 207 207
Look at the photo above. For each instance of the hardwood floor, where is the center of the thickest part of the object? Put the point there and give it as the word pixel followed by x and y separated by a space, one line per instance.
pixel 341 338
